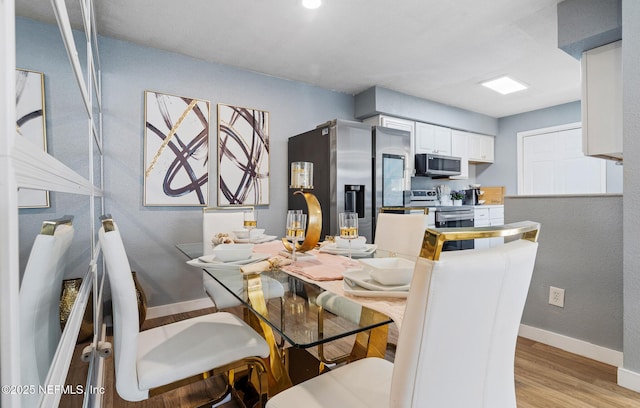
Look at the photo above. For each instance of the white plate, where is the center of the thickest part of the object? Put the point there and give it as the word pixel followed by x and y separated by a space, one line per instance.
pixel 362 278
pixel 209 261
pixel 355 253
pixel 353 289
pixel 256 240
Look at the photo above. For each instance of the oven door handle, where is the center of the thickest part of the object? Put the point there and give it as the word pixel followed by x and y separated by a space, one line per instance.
pixel 455 217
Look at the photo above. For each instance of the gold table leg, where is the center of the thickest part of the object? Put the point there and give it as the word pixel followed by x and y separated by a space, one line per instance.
pixel 279 379
pixel 371 343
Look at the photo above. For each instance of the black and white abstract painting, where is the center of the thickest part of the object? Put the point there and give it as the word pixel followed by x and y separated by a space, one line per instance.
pixel 243 156
pixel 176 150
pixel 30 123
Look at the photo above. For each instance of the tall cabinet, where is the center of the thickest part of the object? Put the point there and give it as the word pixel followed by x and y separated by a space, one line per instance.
pixel 602 101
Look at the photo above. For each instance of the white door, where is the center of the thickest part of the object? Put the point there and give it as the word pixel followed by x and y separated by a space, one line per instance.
pixel 552 162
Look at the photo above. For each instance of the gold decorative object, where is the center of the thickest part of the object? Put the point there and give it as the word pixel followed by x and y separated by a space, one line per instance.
pixel 68 295
pixel 141 299
pixel 70 288
pixel 302 178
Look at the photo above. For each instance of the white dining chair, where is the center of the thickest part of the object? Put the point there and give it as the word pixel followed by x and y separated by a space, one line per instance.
pixel 40 301
pixel 162 356
pixel 457 342
pixel 225 220
pixel 400 234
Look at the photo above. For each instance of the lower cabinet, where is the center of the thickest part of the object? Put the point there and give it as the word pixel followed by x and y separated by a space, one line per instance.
pixel 486 216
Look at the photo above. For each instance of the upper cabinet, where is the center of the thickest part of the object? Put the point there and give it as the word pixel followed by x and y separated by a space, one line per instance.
pixel 480 148
pixel 433 139
pixel 460 148
pixel 602 101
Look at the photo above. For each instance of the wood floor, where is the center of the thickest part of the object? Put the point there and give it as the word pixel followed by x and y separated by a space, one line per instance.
pixel 546 377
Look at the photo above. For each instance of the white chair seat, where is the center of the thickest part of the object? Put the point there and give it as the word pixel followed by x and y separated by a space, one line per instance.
pixel 221 296
pixel 179 350
pixel 362 384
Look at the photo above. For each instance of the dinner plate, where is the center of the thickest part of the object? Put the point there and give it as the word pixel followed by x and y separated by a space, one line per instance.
pixel 362 278
pixel 209 261
pixel 256 240
pixel 355 253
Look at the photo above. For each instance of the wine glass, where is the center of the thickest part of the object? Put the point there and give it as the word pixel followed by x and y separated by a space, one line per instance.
pixel 348 225
pixel 296 226
pixel 250 221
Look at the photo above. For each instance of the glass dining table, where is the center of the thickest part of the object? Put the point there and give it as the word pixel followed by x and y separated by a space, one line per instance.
pixel 295 315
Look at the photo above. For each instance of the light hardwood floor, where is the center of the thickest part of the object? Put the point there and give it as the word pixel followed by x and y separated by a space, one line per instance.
pixel 546 377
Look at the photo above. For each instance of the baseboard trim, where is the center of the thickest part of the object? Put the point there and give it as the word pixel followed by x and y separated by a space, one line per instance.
pixel 180 307
pixel 628 379
pixel 575 346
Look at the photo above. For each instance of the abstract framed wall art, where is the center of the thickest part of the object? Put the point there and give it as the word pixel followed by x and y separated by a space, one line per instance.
pixel 243 156
pixel 176 150
pixel 31 123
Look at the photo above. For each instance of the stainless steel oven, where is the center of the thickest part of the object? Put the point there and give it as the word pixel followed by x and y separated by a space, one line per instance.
pixel 455 217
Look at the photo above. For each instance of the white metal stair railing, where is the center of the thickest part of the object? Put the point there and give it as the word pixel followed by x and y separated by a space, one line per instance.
pixel 26 167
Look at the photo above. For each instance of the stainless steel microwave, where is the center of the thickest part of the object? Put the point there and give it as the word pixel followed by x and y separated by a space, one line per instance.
pixel 436 166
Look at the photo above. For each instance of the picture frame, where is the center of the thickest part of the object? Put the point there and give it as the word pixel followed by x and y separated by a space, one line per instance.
pixel 176 150
pixel 243 156
pixel 31 123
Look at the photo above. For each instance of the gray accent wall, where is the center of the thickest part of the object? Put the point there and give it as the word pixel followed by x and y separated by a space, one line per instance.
pixel 587 24
pixel 379 100
pixel 631 202
pixel 580 251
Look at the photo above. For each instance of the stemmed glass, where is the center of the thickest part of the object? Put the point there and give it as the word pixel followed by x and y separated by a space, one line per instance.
pixel 296 227
pixel 250 221
pixel 348 225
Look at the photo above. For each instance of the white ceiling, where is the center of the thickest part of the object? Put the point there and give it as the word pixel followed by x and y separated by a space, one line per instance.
pixel 434 49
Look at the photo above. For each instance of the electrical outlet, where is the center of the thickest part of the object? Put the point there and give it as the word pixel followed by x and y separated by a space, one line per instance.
pixel 556 296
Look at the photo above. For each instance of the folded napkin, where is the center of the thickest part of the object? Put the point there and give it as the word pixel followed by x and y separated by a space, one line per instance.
pixel 275 262
pixel 272 248
pixel 323 267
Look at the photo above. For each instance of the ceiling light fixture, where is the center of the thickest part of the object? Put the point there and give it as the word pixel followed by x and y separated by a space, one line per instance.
pixel 504 85
pixel 311 4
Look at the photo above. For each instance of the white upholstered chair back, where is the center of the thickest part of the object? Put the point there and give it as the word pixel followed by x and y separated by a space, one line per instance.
pixel 40 303
pixel 457 342
pixel 400 233
pixel 215 222
pixel 125 314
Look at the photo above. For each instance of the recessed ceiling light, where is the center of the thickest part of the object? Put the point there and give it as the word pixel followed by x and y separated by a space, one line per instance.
pixel 312 4
pixel 504 85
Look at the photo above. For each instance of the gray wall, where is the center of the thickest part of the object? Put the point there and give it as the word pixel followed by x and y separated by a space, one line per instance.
pixel 631 143
pixel 150 233
pixel 379 100
pixel 580 251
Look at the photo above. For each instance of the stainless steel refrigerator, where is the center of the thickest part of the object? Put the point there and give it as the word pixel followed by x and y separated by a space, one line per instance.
pixel 356 168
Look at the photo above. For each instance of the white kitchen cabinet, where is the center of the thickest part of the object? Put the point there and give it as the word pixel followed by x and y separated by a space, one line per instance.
pixel 459 148
pixel 602 101
pixel 480 148
pixel 485 216
pixel 433 139
pixel 397 123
